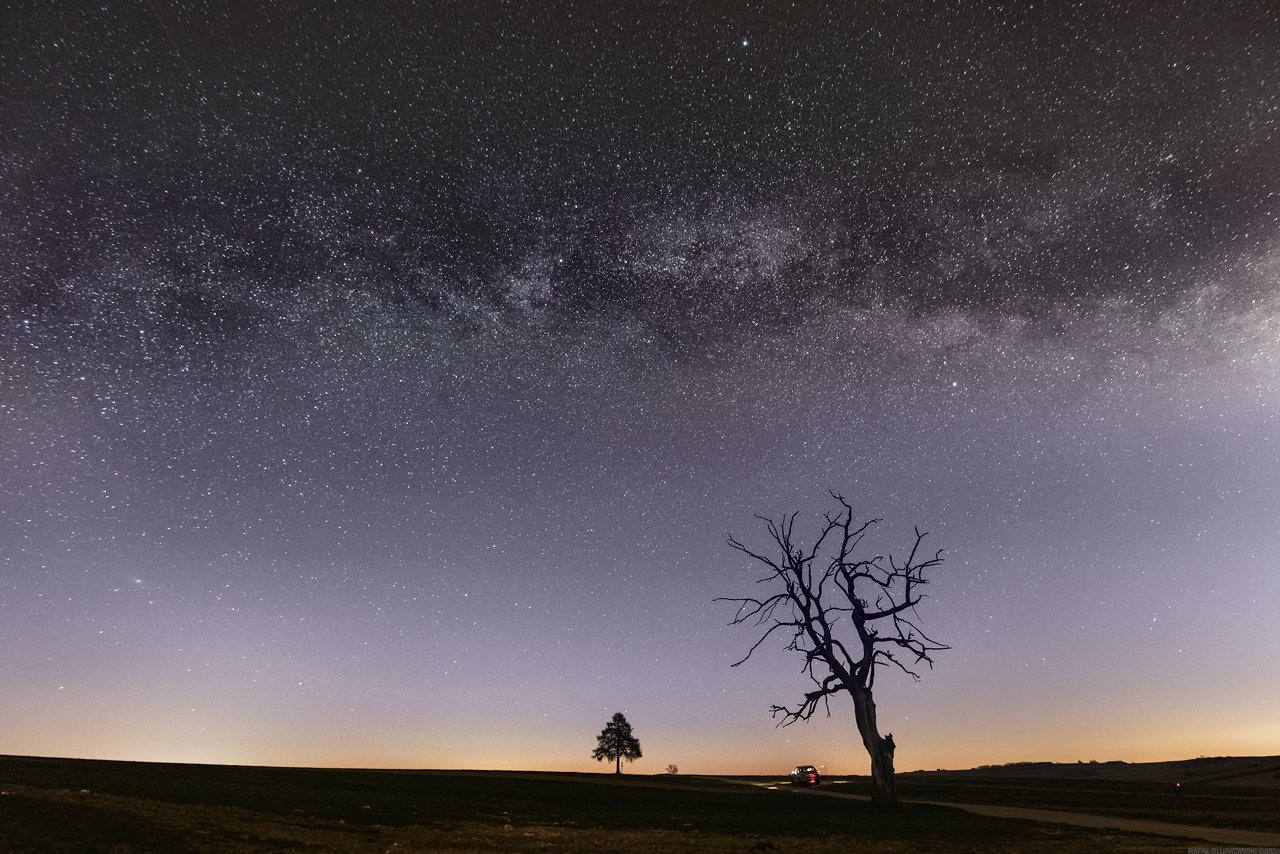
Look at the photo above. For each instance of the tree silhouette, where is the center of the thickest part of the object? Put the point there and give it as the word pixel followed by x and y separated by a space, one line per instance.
pixel 845 616
pixel 616 742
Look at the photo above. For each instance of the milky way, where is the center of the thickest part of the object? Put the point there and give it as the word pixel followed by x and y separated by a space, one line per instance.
pixel 378 386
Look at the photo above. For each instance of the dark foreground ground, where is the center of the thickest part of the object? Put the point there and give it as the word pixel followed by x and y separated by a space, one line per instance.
pixel 59 805
pixel 1238 796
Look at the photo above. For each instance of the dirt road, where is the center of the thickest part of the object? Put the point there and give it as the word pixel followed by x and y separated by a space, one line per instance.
pixel 1220 835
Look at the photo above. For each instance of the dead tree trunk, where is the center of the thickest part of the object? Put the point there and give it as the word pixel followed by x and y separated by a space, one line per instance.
pixel 883 788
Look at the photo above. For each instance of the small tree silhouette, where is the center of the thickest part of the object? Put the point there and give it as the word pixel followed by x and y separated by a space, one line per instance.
pixel 616 742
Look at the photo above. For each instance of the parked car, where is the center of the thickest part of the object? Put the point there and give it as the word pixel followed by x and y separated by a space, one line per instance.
pixel 806 775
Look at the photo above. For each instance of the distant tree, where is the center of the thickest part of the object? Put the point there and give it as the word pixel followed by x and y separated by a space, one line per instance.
pixel 846 616
pixel 671 769
pixel 616 742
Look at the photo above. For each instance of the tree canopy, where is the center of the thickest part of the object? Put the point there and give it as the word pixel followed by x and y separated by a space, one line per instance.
pixel 616 742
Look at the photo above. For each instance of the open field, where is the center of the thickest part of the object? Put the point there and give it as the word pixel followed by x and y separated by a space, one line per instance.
pixel 121 807
pixel 1231 792
pixel 1256 771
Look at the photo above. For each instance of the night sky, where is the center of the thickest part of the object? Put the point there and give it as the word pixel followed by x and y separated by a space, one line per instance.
pixel 379 382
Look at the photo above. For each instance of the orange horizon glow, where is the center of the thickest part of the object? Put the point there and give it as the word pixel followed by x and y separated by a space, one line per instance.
pixel 771 759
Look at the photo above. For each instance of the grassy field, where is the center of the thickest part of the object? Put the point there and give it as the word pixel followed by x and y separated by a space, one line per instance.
pixel 1240 807
pixel 56 805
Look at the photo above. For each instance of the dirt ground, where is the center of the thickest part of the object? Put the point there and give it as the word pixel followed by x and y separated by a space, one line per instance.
pixel 152 826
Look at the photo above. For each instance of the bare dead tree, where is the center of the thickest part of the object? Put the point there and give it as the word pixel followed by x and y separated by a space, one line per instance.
pixel 846 616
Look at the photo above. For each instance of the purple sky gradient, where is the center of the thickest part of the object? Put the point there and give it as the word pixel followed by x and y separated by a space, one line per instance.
pixel 379 389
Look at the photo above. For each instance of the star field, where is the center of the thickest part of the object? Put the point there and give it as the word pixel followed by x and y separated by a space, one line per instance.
pixel 378 386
